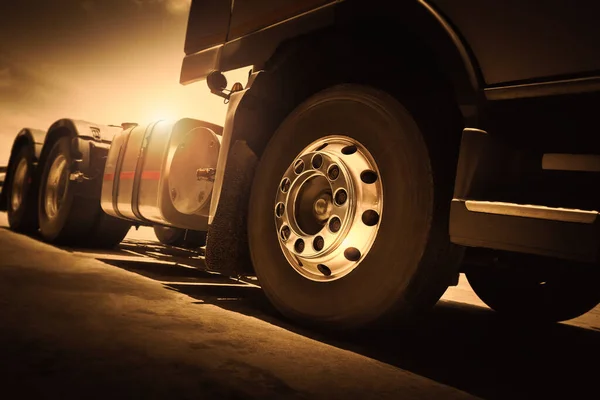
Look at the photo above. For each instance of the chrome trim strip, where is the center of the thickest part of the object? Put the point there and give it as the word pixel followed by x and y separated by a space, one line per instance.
pixel 531 211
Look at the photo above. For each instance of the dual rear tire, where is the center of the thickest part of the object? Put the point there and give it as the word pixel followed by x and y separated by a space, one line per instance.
pixel 21 193
pixel 54 207
pixel 68 218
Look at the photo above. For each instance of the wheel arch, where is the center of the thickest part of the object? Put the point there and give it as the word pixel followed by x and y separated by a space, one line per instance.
pixel 84 135
pixel 299 68
pixel 395 22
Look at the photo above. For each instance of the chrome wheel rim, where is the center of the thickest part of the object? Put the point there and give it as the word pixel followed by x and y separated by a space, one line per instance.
pixel 18 184
pixel 56 186
pixel 328 208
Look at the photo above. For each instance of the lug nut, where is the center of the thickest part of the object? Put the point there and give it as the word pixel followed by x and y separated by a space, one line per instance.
pixel 285 232
pixel 299 246
pixel 340 197
pixel 279 210
pixel 318 243
pixel 335 224
pixel 333 172
pixel 299 167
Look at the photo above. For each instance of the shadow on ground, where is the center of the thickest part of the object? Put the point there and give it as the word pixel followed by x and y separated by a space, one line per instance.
pixel 460 345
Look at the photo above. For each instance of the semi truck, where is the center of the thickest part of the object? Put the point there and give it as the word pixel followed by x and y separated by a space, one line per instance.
pixel 377 150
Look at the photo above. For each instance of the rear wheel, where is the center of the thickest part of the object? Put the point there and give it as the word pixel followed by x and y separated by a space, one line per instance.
pixel 108 231
pixel 66 218
pixel 347 226
pixel 22 210
pixel 179 237
pixel 536 289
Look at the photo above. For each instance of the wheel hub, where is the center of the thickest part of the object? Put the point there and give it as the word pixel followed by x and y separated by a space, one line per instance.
pixel 321 204
pixel 56 186
pixel 18 184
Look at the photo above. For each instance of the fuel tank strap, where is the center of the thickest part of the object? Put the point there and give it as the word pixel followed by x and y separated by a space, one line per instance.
pixel 135 195
pixel 117 177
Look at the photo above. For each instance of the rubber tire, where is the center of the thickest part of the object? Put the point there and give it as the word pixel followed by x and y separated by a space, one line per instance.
pixel 177 237
pixel 108 231
pixel 23 219
pixel 76 216
pixel 411 261
pixel 515 290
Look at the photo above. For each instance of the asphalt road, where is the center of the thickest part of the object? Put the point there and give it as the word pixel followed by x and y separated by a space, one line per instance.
pixel 143 322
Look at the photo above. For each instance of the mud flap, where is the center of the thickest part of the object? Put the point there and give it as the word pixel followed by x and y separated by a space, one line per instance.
pixel 227 248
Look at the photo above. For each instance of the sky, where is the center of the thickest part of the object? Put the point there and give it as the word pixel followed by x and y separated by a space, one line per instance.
pixel 104 61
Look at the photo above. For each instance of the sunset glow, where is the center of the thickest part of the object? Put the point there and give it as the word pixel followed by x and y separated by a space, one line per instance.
pixel 108 62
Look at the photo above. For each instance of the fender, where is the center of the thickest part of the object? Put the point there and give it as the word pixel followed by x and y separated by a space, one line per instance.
pixel 90 143
pixel 26 137
pixel 419 19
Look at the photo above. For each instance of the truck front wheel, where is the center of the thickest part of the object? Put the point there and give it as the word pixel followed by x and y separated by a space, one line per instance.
pixel 346 225
pixel 536 289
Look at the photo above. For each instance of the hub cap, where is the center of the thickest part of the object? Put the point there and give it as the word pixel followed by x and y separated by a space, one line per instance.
pixel 328 208
pixel 56 186
pixel 18 184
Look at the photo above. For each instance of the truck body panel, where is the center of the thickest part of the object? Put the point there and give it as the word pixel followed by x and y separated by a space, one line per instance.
pixel 520 41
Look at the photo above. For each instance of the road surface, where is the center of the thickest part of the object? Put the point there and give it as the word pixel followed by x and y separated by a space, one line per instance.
pixel 142 322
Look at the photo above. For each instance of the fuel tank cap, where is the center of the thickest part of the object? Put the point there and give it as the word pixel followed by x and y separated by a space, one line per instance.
pixel 199 149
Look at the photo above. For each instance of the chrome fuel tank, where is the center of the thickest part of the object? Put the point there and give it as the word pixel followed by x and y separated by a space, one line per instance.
pixel 151 173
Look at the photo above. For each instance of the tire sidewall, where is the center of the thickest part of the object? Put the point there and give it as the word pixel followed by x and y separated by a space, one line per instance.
pixel 19 219
pixel 51 229
pixel 168 235
pixel 379 283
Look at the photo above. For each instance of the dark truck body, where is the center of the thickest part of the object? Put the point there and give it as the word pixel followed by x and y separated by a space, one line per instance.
pixel 524 74
pixel 483 112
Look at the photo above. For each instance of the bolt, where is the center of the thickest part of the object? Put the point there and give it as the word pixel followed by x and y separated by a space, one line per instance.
pixel 334 172
pixel 340 197
pixel 319 243
pixel 299 246
pixel 285 232
pixel 173 194
pixel 207 174
pixel 299 166
pixel 321 206
pixel 335 224
pixel 279 210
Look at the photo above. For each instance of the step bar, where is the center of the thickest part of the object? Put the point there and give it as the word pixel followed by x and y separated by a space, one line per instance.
pixel 557 232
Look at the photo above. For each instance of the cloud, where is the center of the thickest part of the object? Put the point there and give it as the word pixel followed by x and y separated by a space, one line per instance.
pixel 23 83
pixel 172 6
